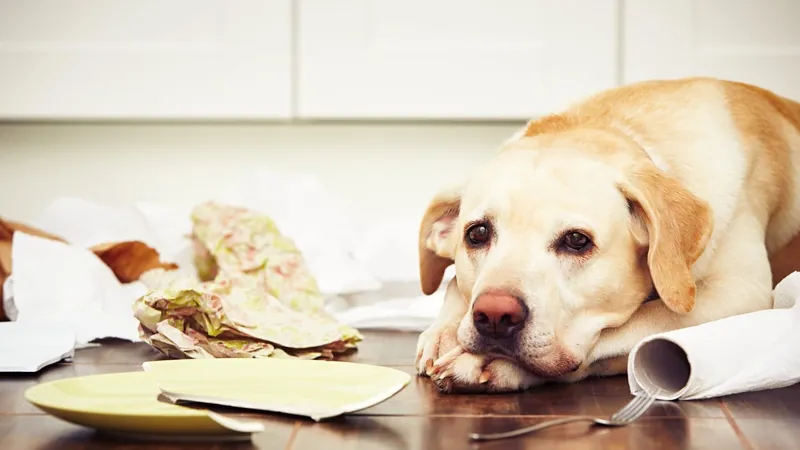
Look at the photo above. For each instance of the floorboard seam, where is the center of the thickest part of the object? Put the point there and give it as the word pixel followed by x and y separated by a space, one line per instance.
pixel 732 422
pixel 293 435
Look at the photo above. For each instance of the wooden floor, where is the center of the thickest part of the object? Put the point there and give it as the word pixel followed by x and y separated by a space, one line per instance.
pixel 421 418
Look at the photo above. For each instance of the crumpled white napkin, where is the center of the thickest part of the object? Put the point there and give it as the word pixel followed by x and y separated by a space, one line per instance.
pixel 400 314
pixel 748 352
pixel 389 248
pixel 67 286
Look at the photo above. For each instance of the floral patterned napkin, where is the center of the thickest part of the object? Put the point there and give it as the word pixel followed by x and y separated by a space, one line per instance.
pixel 255 298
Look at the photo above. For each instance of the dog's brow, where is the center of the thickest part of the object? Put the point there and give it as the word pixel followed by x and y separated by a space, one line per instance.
pixel 478 219
pixel 480 214
pixel 573 221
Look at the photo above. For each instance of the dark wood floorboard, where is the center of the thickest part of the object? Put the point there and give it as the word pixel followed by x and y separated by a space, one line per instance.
pixel 419 417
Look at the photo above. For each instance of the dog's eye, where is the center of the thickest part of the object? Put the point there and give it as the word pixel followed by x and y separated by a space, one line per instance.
pixel 576 241
pixel 478 234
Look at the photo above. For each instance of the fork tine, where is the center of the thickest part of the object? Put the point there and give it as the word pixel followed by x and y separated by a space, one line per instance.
pixel 638 411
pixel 635 415
pixel 630 408
pixel 641 407
pixel 645 407
pixel 632 404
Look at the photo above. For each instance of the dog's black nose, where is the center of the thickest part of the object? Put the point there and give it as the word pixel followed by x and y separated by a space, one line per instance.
pixel 498 315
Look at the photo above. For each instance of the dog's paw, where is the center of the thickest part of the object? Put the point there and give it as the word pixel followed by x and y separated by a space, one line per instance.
pixel 433 343
pixel 462 372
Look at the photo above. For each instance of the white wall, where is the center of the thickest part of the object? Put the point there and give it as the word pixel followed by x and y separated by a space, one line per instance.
pixel 380 170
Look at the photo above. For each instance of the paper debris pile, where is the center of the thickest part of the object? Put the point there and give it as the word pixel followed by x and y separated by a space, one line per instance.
pixel 255 298
pixel 128 260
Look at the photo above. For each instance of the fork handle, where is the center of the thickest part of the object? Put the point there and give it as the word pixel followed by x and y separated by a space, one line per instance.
pixel 525 430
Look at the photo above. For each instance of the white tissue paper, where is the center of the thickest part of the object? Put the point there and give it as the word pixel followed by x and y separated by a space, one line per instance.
pixel 69 287
pixel 748 352
pixel 399 306
pixel 390 249
pixel 400 314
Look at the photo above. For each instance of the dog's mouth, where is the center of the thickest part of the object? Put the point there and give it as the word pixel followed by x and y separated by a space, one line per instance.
pixel 506 348
pixel 501 351
pixel 547 361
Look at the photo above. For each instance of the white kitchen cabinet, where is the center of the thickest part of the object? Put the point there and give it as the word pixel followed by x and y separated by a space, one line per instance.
pixel 754 41
pixel 150 59
pixel 452 59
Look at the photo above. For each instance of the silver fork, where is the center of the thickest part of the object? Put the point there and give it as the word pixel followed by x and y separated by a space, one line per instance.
pixel 627 415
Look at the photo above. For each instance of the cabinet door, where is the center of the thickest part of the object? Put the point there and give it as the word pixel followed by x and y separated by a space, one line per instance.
pixel 504 59
pixel 98 59
pixel 754 41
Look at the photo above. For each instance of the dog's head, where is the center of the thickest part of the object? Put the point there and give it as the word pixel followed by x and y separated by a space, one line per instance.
pixel 558 238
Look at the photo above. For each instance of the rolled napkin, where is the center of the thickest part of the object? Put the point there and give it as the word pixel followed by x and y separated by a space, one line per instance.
pixel 744 353
pixel 261 300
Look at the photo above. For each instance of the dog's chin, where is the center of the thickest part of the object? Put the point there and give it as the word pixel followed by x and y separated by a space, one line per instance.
pixel 557 363
pixel 544 360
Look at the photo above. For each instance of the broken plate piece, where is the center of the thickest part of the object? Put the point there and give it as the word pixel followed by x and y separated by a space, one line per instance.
pixel 314 389
pixel 201 399
pixel 128 404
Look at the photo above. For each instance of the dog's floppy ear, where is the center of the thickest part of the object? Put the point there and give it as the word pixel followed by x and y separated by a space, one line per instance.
pixel 437 240
pixel 679 225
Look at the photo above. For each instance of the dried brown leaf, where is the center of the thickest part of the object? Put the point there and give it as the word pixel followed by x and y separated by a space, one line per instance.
pixel 130 259
pixel 3 317
pixel 5 257
pixel 5 271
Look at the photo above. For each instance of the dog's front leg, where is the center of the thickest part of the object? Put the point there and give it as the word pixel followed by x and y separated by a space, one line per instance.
pixel 441 336
pixel 462 372
pixel 610 355
pixel 739 285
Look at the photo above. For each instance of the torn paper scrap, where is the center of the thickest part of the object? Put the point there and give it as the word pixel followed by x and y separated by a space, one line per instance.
pixel 234 318
pixel 239 242
pixel 319 223
pixel 257 299
pixel 7 230
pixel 86 224
pixel 43 346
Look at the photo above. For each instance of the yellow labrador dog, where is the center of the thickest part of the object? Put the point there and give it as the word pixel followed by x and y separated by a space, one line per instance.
pixel 647 208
